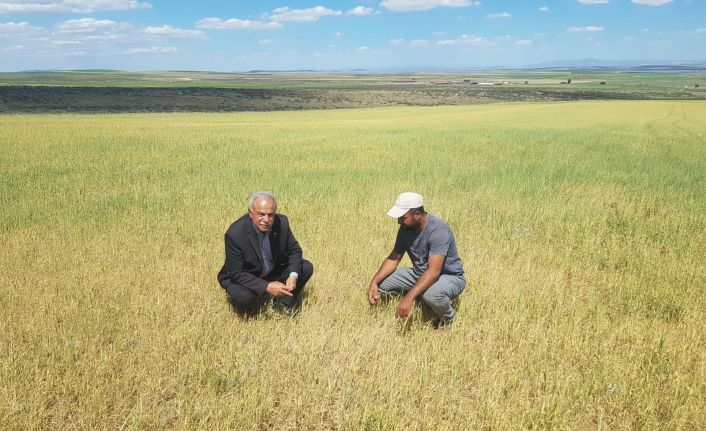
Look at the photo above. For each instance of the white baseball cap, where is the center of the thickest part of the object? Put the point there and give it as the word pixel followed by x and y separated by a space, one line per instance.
pixel 405 202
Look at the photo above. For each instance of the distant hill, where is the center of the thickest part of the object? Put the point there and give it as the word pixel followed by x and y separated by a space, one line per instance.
pixel 600 64
pixel 559 65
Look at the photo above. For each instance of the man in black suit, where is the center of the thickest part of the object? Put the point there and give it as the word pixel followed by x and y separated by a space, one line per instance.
pixel 263 259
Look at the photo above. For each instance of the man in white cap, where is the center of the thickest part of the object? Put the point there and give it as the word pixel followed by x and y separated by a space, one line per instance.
pixel 436 276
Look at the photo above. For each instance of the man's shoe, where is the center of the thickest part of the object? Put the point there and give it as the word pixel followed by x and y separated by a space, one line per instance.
pixel 445 323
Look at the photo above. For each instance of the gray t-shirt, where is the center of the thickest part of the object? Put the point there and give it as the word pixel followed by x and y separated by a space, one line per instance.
pixel 435 239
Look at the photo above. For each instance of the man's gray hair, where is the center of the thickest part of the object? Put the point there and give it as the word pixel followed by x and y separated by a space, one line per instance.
pixel 261 195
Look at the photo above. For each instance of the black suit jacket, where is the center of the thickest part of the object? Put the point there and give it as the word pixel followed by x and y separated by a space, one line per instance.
pixel 243 264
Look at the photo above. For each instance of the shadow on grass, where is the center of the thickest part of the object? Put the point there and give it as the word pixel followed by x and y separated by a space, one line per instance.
pixel 421 315
pixel 265 308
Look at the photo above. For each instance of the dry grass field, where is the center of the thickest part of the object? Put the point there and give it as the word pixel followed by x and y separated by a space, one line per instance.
pixel 582 227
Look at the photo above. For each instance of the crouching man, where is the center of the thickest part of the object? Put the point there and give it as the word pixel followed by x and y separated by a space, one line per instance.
pixel 436 277
pixel 263 260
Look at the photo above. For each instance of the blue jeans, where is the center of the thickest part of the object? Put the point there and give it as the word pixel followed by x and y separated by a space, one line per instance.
pixel 438 296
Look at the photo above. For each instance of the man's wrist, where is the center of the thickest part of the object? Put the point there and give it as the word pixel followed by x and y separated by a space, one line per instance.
pixel 294 274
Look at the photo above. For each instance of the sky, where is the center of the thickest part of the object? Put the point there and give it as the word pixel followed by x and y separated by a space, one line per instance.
pixel 229 36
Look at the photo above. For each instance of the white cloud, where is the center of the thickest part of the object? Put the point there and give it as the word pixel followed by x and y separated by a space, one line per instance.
pixel 153 50
pixel 105 37
pixel 96 35
pixel 418 5
pixel 74 53
pixel 498 15
pixel 54 52
pixel 65 42
pixel 363 49
pixel 360 11
pixel 68 6
pixel 13 48
pixel 86 25
pixel 419 42
pixel 169 31
pixel 700 30
pixel 466 40
pixel 94 38
pixel 523 42
pixel 17 27
pixel 264 42
pixel 399 41
pixel 587 29
pixel 593 1
pixel 544 9
pixel 439 33
pixel 235 23
pixel 652 2
pixel 302 15
pixel 338 34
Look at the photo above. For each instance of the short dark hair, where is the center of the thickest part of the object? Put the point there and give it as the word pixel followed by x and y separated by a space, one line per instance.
pixel 420 209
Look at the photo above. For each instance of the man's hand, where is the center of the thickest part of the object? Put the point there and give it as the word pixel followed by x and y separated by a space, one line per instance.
pixel 277 288
pixel 373 294
pixel 291 283
pixel 387 267
pixel 404 307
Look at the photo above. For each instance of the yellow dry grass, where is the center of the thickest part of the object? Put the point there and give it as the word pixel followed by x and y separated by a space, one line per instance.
pixel 581 226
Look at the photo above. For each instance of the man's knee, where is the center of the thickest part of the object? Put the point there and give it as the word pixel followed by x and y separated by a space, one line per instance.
pixel 397 283
pixel 241 298
pixel 307 271
pixel 389 289
pixel 435 297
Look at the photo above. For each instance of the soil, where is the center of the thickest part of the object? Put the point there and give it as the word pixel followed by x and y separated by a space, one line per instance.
pixel 55 99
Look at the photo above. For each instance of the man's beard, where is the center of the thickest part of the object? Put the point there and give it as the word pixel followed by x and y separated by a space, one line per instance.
pixel 411 227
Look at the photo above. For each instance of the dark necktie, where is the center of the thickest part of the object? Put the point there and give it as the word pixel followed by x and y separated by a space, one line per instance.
pixel 266 254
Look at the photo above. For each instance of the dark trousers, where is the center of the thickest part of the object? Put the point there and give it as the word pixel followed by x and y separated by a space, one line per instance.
pixel 245 301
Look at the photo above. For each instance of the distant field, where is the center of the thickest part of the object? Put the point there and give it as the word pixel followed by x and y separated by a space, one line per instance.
pixel 96 92
pixel 342 80
pixel 582 226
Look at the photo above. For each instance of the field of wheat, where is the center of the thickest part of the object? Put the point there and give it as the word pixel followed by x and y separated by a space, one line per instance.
pixel 581 226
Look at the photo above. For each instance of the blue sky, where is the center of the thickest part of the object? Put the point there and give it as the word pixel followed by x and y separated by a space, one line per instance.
pixel 325 35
